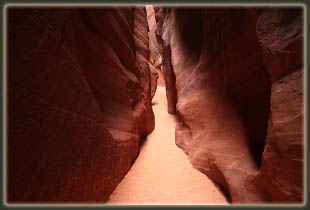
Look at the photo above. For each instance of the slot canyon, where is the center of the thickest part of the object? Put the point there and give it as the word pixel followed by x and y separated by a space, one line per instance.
pixel 155 105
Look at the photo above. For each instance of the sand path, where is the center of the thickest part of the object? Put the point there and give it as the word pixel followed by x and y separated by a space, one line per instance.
pixel 162 173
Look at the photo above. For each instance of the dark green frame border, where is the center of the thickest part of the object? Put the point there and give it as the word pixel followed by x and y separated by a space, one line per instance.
pixel 60 3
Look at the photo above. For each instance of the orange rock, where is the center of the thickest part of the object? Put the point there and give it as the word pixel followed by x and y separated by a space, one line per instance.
pixel 223 83
pixel 281 37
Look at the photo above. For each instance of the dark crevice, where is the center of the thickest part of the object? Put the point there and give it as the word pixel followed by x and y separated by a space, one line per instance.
pixel 223 191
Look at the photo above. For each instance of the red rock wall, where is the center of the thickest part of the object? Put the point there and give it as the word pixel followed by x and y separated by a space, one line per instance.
pixel 143 110
pixel 79 101
pixel 280 32
pixel 153 46
pixel 165 51
pixel 153 60
pixel 228 97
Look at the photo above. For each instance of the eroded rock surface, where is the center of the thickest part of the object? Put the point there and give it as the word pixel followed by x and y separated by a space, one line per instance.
pixel 155 60
pixel 281 37
pixel 280 33
pixel 168 178
pixel 154 78
pixel 145 116
pixel 281 174
pixel 79 96
pixel 165 52
pixel 228 88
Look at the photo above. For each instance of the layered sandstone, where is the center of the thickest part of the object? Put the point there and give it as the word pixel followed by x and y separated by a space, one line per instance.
pixel 165 52
pixel 225 81
pixel 155 60
pixel 79 96
pixel 153 45
pixel 280 32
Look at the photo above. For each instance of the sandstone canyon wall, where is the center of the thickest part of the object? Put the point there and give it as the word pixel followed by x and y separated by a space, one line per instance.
pixel 79 101
pixel 280 33
pixel 155 60
pixel 165 52
pixel 234 79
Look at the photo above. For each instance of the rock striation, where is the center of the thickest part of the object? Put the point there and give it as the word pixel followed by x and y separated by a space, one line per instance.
pixel 165 52
pixel 155 60
pixel 79 93
pixel 280 32
pixel 239 105
pixel 155 56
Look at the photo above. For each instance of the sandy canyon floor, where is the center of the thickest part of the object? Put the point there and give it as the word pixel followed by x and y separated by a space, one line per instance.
pixel 162 173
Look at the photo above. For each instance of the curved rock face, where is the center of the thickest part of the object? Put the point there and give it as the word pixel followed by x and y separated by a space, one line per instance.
pixel 154 59
pixel 154 78
pixel 153 45
pixel 280 33
pixel 228 93
pixel 79 94
pixel 165 51
pixel 146 119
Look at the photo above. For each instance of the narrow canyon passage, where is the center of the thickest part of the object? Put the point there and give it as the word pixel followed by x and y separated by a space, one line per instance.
pixel 84 89
pixel 162 173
